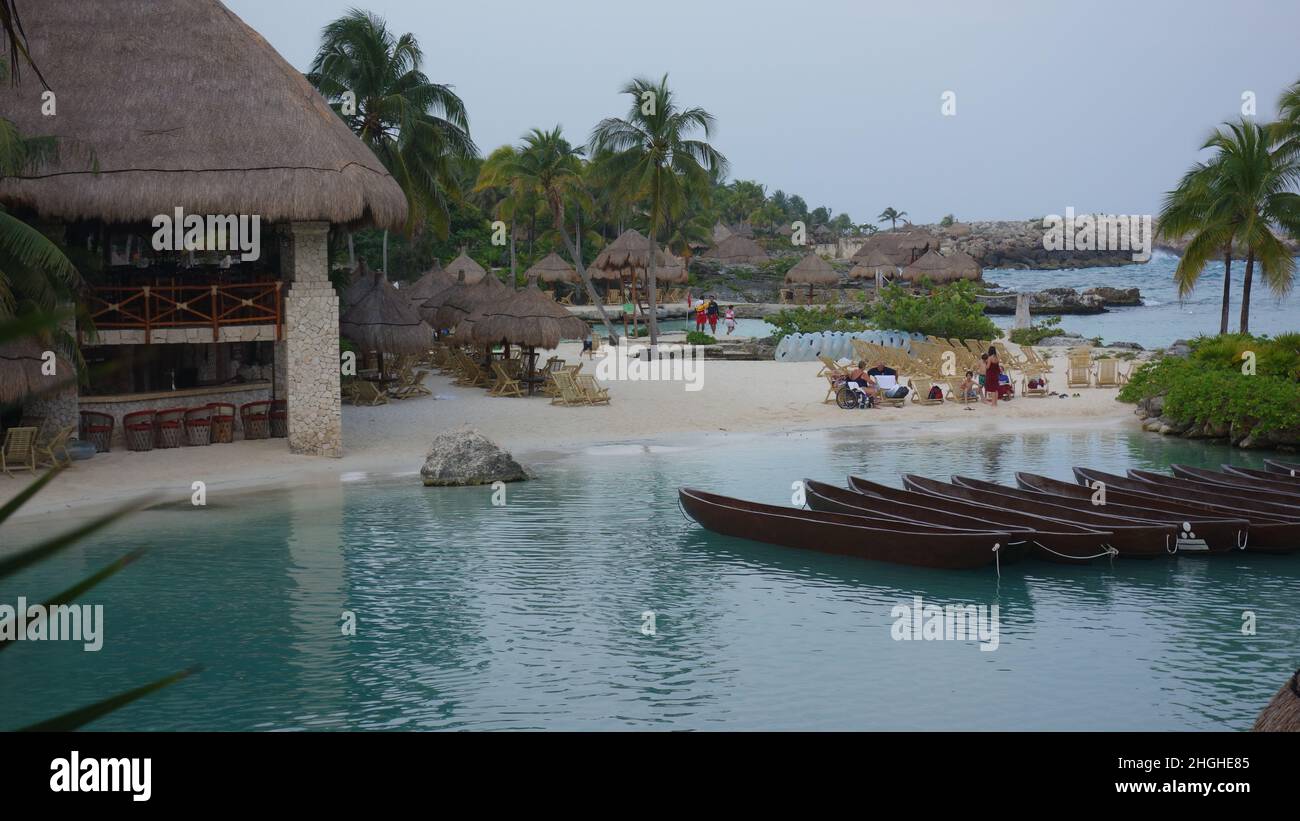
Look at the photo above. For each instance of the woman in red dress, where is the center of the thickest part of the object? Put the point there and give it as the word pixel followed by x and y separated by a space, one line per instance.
pixel 992 377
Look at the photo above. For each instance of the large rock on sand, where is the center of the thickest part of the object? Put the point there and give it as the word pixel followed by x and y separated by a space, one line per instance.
pixel 467 457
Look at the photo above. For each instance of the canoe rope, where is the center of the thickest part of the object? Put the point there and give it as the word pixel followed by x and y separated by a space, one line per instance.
pixel 1110 551
pixel 685 515
pixel 997 557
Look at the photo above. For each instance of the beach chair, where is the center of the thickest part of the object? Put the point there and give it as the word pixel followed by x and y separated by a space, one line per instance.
pixel 53 452
pixel 1039 379
pixel 956 394
pixel 1079 374
pixel 592 392
pixel 19 450
pixel 410 384
pixel 568 390
pixel 920 390
pixel 595 346
pixel 505 384
pixel 471 375
pixel 368 393
pixel 829 366
pixel 1109 375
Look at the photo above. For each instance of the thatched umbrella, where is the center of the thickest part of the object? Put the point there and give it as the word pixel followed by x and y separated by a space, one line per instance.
pixel 674 269
pixel 937 268
pixel 527 318
pixel 430 283
pixel 463 264
pixel 1282 714
pixel 737 250
pixel 463 298
pixel 383 320
pixel 22 362
pixel 812 270
pixel 553 268
pixel 628 256
pixel 964 265
pixel 214 121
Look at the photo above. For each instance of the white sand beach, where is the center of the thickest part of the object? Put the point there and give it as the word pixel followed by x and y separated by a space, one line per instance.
pixel 737 397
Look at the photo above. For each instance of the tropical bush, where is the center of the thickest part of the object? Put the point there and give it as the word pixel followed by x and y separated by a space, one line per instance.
pixel 950 311
pixel 1210 386
pixel 814 319
pixel 1037 332
pixel 699 338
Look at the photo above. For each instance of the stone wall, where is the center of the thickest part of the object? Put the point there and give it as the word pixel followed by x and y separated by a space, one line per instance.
pixel 60 408
pixel 312 343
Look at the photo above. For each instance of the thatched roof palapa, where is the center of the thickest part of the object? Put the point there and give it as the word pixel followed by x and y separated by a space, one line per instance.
pixel 628 256
pixel 737 250
pixel 22 362
pixel 383 320
pixel 553 268
pixel 463 263
pixel 429 283
pixel 190 109
pixel 812 270
pixel 875 261
pixel 529 318
pixel 462 299
pixel 939 269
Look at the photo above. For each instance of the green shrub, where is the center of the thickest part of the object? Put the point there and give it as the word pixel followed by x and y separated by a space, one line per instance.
pixel 950 311
pixel 813 319
pixel 699 338
pixel 1035 333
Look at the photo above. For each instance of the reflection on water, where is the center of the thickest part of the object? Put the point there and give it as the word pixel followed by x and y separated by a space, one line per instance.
pixel 530 615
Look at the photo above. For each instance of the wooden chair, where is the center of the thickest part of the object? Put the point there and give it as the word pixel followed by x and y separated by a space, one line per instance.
pixel 138 430
pixel 1109 375
pixel 568 390
pixel 198 426
pixel 471 375
pixel 1034 383
pixel 255 418
pixel 920 393
pixel 53 452
pixel 956 394
pixel 829 366
pixel 19 450
pixel 505 384
pixel 368 393
pixel 592 392
pixel 223 423
pixel 1079 374
pixel 410 384
pixel 97 429
pixel 168 427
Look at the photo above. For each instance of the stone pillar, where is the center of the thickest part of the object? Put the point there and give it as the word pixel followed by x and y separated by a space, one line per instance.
pixel 59 407
pixel 311 327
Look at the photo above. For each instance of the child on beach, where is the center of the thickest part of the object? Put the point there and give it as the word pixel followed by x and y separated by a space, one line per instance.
pixel 731 319
pixel 970 388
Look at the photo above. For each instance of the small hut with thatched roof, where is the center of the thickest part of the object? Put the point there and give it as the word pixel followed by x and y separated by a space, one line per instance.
pixel 812 270
pixel 384 322
pixel 464 264
pixel 737 250
pixel 430 282
pixel 527 318
pixel 553 269
pixel 221 131
pixel 462 299
pixel 626 261
pixel 940 269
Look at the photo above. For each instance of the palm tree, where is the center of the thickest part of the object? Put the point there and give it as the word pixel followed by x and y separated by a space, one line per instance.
pixel 1238 196
pixel 655 159
pixel 417 128
pixel 15 40
pixel 892 215
pixel 1286 131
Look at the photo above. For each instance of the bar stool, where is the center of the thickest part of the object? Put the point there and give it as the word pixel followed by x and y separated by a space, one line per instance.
pixel 198 426
pixel 254 416
pixel 279 417
pixel 97 428
pixel 223 423
pixel 167 427
pixel 138 429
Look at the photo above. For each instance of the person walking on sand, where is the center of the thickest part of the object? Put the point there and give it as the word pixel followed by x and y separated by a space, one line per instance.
pixel 731 319
pixel 713 315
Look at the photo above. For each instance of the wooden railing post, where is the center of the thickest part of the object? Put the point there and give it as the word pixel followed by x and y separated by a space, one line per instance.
pixel 216 312
pixel 148 314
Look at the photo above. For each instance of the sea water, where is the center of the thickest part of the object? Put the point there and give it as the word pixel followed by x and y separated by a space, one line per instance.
pixel 587 601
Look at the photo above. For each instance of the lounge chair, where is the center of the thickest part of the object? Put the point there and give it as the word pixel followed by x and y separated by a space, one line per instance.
pixel 19 450
pixel 956 394
pixel 592 392
pixel 505 385
pixel 829 366
pixel 1079 374
pixel 53 452
pixel 1109 375
pixel 368 393
pixel 921 392
pixel 568 390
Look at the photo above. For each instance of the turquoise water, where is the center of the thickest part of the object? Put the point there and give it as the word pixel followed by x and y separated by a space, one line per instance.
pixel 530 615
pixel 1164 318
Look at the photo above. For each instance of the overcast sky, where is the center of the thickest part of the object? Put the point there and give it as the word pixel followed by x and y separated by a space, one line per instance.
pixel 1098 105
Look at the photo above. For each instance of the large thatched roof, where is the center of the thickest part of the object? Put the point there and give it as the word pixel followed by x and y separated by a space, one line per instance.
pixel 383 320
pixel 900 246
pixel 472 270
pixel 553 268
pixel 964 264
pixel 429 283
pixel 812 270
pixel 463 298
pixel 21 362
pixel 737 250
pixel 875 261
pixel 184 106
pixel 937 268
pixel 528 317
pixel 627 256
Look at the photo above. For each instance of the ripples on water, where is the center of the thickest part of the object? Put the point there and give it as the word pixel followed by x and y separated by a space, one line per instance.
pixel 530 616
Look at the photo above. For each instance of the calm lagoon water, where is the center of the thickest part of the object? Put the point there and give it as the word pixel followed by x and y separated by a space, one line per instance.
pixel 529 616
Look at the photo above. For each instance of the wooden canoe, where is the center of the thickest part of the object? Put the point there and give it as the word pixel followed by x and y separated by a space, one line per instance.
pixel 1219 534
pixel 1134 538
pixel 1054 540
pixel 1284 504
pixel 1266 475
pixel 1234 480
pixel 842 534
pixel 1278 466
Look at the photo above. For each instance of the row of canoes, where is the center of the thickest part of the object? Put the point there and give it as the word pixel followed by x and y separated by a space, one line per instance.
pixel 969 523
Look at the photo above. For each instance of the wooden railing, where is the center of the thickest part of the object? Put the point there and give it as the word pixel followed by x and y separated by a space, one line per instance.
pixel 150 307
